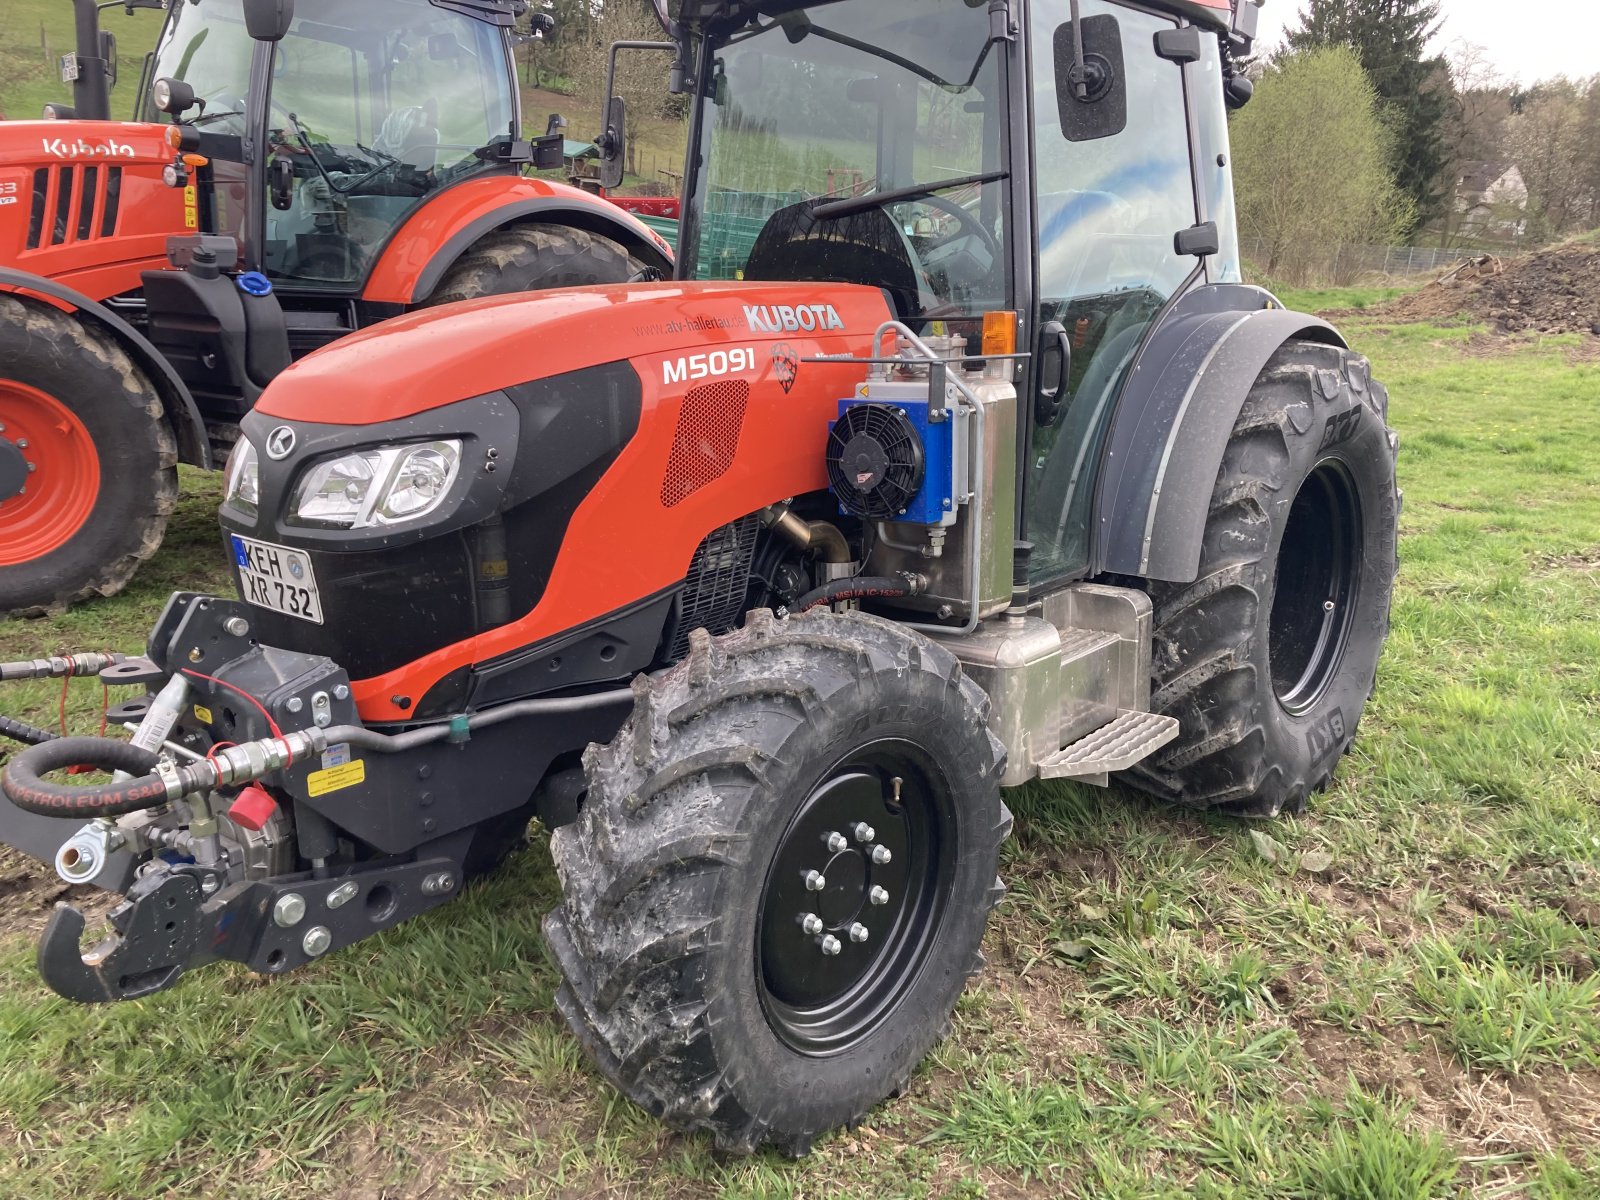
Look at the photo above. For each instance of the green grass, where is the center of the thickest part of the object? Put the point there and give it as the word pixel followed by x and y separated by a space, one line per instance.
pixel 34 34
pixel 1166 1012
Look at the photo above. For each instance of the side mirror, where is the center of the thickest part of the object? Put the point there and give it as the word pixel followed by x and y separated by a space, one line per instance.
pixel 1091 86
pixel 613 144
pixel 1054 367
pixel 268 20
pixel 108 52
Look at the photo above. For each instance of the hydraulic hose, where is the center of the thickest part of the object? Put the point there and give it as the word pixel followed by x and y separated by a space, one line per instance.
pixel 862 587
pixel 24 784
pixel 21 731
pixel 28 790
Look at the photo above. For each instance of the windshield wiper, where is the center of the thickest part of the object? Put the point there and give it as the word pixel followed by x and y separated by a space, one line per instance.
pixel 212 116
pixel 843 208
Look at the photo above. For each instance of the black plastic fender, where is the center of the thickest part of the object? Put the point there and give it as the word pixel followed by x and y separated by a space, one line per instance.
pixel 182 412
pixel 1173 421
pixel 552 210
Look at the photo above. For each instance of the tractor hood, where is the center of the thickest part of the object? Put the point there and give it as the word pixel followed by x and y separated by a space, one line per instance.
pixel 51 143
pixel 435 357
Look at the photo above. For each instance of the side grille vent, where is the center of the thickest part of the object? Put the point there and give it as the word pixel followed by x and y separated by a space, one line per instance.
pixel 73 204
pixel 719 579
pixel 707 440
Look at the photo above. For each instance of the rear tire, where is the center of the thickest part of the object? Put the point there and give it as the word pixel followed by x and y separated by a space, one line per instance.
pixel 1268 658
pixel 689 976
pixel 104 478
pixel 531 258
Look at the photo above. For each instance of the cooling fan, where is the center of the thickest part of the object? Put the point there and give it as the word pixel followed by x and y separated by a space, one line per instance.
pixel 876 462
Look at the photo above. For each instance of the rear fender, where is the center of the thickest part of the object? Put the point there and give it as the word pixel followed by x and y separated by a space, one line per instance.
pixel 442 230
pixel 1173 422
pixel 181 411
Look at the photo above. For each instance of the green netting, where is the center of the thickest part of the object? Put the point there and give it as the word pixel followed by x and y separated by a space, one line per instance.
pixel 729 226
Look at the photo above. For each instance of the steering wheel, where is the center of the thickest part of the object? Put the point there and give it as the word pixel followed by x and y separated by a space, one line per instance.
pixel 970 226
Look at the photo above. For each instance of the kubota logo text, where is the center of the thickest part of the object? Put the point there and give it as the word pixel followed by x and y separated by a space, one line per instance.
pixel 785 318
pixel 61 148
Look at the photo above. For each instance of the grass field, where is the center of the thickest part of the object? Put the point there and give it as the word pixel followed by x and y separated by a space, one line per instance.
pixel 1396 996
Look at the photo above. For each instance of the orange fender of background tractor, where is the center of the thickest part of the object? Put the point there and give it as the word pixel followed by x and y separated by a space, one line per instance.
pixel 732 420
pixel 82 202
pixel 439 232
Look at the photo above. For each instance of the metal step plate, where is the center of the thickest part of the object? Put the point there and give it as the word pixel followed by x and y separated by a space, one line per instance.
pixel 1131 737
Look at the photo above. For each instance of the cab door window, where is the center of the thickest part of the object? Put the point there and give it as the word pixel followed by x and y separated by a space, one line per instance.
pixel 1109 204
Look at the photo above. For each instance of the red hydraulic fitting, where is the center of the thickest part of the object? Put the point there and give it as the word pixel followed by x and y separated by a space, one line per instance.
pixel 253 808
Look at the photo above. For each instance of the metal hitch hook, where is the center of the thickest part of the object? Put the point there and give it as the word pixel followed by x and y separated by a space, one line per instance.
pixel 157 942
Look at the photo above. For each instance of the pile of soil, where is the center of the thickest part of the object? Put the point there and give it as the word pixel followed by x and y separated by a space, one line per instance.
pixel 1556 290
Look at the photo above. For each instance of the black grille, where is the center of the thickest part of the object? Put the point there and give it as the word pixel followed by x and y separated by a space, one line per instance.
pixel 91 177
pixel 108 219
pixel 56 221
pixel 63 205
pixel 41 187
pixel 719 576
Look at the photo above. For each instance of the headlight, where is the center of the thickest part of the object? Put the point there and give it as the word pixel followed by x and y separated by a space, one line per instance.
pixel 242 485
pixel 373 488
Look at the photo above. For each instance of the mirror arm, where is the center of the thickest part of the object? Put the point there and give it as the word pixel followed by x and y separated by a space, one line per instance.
pixel 1080 68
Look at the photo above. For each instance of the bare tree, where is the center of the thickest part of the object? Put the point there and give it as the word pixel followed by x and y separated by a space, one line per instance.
pixel 1552 140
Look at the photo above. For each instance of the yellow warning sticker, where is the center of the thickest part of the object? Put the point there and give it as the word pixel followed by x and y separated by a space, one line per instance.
pixel 333 779
pixel 202 714
pixel 191 207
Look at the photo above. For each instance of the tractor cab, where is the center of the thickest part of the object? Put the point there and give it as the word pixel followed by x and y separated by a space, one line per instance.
pixel 965 158
pixel 366 109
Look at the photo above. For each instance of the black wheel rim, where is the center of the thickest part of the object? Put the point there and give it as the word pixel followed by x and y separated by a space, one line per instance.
pixel 821 1003
pixel 1314 595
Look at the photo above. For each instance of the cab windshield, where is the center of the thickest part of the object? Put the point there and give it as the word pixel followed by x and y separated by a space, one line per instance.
pixel 856 143
pixel 375 104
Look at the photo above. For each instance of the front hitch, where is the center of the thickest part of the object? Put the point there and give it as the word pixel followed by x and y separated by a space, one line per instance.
pixel 159 931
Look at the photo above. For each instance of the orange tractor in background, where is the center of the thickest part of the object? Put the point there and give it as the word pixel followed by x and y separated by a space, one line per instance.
pixel 322 171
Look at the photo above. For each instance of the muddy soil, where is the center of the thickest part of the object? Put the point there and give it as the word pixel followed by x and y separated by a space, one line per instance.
pixel 1556 290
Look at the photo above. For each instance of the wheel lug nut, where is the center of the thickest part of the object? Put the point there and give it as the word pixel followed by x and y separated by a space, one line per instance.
pixel 878 896
pixel 858 932
pixel 881 855
pixel 815 881
pixel 836 842
pixel 811 923
pixel 863 832
pixel 830 945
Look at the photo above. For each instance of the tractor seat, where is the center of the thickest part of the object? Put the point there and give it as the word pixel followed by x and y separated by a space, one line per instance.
pixel 865 247
pixel 411 135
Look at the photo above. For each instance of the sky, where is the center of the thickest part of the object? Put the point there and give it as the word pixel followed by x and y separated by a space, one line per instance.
pixel 1527 40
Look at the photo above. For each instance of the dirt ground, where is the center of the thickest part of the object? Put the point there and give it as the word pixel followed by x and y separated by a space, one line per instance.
pixel 1555 290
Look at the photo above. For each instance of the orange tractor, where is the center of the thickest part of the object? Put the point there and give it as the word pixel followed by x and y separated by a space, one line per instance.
pixel 320 172
pixel 760 585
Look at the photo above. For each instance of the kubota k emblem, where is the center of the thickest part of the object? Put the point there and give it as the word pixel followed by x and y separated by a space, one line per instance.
pixel 280 443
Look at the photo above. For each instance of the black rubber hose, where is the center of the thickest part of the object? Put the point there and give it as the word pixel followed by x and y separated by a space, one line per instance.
pixel 862 587
pixel 24 785
pixel 21 731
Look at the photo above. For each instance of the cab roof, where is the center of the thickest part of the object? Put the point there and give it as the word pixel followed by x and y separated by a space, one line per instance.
pixel 690 14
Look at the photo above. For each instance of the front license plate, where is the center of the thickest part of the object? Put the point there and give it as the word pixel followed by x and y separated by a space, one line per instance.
pixel 278 578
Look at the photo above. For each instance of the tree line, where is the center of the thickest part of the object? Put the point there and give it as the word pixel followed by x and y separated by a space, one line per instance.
pixel 1358 133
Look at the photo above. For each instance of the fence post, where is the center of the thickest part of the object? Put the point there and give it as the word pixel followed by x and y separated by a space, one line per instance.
pixel 1411 259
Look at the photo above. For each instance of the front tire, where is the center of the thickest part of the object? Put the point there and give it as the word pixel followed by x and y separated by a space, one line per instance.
pixel 692 976
pixel 88 464
pixel 1268 658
